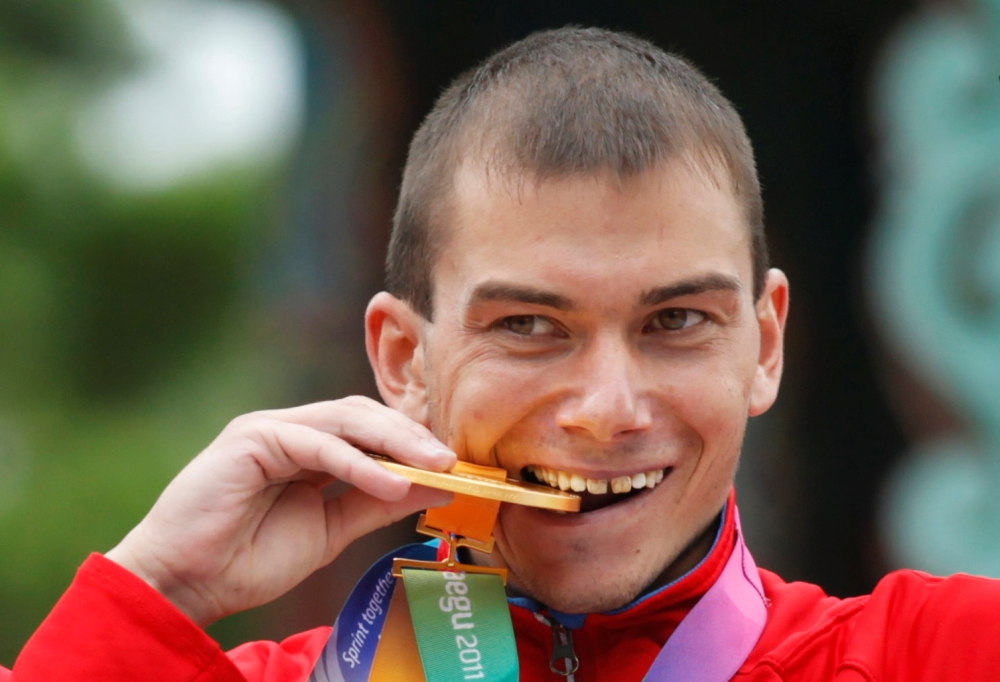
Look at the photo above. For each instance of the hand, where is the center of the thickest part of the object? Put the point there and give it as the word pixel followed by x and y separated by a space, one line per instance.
pixel 245 521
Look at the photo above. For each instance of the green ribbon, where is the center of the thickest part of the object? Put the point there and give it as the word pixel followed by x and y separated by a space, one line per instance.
pixel 463 626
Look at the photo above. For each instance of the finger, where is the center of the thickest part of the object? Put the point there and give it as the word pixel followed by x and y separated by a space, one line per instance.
pixel 355 514
pixel 372 426
pixel 289 449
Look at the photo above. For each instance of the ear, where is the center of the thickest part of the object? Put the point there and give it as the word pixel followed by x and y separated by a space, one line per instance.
pixel 395 350
pixel 772 311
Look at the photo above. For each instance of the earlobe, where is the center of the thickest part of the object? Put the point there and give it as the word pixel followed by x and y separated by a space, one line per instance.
pixel 772 312
pixel 395 348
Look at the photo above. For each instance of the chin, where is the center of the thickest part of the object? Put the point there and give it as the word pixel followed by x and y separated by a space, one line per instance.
pixel 577 591
pixel 577 568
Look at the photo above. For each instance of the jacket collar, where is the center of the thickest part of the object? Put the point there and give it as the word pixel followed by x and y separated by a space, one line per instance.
pixel 691 585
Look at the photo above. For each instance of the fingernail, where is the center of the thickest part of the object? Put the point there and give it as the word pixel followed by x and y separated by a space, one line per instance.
pixel 436 448
pixel 397 478
pixel 446 457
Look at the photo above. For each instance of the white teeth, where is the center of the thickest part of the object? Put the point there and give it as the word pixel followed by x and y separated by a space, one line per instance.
pixel 577 483
pixel 621 484
pixel 597 487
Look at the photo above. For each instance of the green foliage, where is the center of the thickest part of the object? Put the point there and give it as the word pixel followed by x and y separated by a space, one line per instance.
pixel 84 33
pixel 127 334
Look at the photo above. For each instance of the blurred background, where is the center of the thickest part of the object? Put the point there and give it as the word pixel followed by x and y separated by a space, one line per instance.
pixel 195 198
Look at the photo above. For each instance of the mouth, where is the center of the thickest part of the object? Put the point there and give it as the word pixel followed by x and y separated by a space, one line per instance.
pixel 596 493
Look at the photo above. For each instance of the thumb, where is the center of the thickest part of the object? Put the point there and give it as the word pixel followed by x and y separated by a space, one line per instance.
pixel 356 513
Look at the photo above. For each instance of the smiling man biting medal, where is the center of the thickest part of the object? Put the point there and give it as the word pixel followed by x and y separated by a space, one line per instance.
pixel 577 297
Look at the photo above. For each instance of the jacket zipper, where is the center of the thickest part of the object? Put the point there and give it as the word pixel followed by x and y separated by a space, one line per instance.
pixel 564 660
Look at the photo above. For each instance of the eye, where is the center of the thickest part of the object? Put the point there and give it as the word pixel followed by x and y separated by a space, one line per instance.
pixel 676 319
pixel 529 325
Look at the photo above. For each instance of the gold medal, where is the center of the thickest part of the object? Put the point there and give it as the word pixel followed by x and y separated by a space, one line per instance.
pixel 468 483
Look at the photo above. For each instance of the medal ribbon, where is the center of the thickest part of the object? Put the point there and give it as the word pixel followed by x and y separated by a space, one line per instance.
pixel 718 634
pixel 350 651
pixel 445 623
pixel 462 624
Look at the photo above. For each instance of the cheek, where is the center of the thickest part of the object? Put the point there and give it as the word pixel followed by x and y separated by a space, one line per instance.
pixel 711 396
pixel 482 401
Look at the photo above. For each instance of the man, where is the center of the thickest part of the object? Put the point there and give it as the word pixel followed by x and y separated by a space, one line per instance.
pixel 578 292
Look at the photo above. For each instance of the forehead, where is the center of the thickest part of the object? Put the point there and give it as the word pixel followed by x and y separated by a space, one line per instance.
pixel 590 234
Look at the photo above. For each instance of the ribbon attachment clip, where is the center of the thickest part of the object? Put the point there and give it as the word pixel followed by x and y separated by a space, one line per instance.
pixel 451 562
pixel 467 522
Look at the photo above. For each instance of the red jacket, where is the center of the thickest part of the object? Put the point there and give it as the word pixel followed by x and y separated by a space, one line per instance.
pixel 111 626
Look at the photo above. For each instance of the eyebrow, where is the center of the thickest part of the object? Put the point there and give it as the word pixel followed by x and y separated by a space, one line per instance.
pixel 513 293
pixel 690 287
pixel 489 292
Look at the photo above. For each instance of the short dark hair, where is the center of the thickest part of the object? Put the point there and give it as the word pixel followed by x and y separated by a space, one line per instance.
pixel 564 102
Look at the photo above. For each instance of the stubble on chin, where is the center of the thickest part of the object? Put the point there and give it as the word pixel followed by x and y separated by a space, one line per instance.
pixel 579 590
pixel 596 585
pixel 584 581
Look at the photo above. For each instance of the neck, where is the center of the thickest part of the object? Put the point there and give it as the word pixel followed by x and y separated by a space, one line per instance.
pixel 690 557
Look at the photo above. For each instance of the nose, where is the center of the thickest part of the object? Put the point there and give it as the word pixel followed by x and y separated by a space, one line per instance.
pixel 605 401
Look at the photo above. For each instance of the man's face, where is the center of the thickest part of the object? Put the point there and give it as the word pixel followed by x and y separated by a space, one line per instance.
pixel 591 330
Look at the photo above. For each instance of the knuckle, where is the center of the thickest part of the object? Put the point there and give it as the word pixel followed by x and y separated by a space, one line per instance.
pixel 252 434
pixel 356 401
pixel 250 422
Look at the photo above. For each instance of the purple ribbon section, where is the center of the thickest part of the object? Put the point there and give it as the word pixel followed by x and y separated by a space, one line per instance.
pixel 718 634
